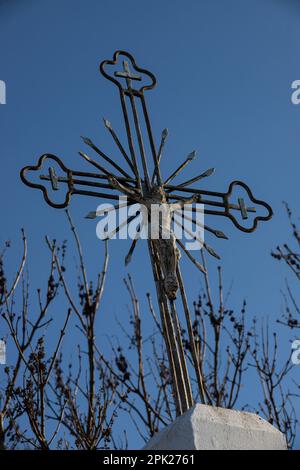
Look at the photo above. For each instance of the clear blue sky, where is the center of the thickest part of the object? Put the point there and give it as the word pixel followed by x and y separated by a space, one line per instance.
pixel 224 72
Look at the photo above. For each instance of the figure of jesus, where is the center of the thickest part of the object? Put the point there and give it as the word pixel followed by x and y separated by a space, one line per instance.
pixel 159 213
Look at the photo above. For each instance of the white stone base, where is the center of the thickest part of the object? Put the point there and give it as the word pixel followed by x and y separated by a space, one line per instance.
pixel 210 428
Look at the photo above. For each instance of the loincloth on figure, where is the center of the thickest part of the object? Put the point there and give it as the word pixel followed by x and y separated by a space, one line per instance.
pixel 169 256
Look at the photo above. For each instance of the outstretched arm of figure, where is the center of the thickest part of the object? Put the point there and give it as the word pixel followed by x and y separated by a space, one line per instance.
pixel 180 204
pixel 120 187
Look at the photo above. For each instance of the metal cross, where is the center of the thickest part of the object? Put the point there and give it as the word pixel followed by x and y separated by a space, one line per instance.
pixel 142 188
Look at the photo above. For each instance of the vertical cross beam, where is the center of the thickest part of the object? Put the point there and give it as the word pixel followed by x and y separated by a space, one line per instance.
pixel 53 178
pixel 133 93
pixel 243 208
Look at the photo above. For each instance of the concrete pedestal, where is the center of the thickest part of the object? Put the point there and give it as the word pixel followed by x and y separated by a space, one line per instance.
pixel 210 428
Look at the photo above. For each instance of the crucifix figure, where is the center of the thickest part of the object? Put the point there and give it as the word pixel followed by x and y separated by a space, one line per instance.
pixel 132 178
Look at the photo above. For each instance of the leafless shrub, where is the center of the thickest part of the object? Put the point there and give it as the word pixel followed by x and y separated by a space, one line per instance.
pixel 48 402
pixel 291 257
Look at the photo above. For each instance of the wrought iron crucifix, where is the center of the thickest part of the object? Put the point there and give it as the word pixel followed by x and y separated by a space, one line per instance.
pixel 132 177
